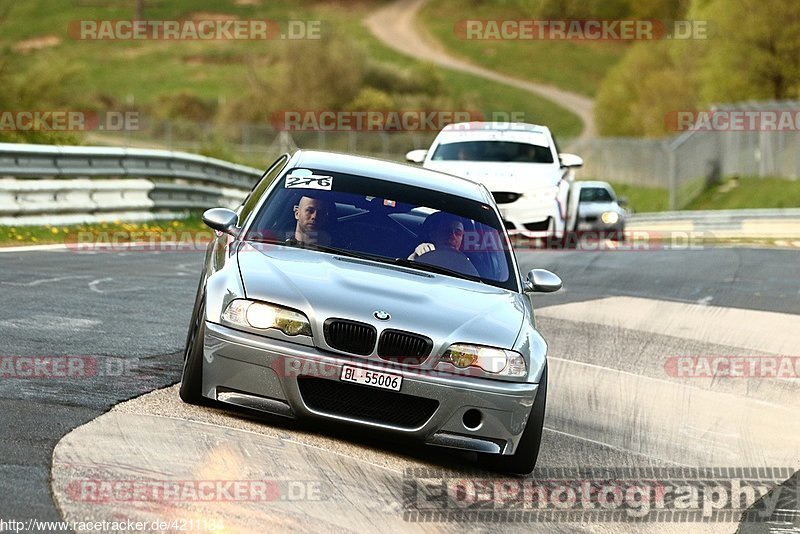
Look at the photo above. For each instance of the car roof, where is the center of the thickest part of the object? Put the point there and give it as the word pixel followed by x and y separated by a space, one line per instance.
pixel 593 183
pixel 519 132
pixel 391 172
pixel 496 126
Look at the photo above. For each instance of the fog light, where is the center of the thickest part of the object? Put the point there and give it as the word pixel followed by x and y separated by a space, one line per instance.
pixel 472 419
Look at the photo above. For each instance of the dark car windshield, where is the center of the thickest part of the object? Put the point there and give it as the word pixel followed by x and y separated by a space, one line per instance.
pixel 386 221
pixel 493 151
pixel 595 194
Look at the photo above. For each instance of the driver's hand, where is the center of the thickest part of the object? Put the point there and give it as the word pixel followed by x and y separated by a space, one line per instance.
pixel 421 249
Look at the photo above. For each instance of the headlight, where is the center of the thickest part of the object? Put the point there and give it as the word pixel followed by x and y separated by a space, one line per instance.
pixel 498 362
pixel 610 217
pixel 262 316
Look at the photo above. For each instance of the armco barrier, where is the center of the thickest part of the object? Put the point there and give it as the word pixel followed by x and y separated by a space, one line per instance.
pixel 67 184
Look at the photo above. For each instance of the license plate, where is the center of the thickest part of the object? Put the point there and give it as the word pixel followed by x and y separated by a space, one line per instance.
pixel 371 378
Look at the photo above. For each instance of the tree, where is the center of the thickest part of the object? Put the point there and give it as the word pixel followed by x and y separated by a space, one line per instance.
pixel 638 95
pixel 754 52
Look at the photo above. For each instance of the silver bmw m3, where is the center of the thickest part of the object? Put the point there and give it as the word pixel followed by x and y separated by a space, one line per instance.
pixel 375 294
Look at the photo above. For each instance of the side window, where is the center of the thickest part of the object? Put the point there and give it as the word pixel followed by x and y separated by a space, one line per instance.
pixel 250 203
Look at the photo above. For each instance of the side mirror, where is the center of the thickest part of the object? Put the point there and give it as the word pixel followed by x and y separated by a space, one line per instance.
pixel 571 160
pixel 417 156
pixel 221 219
pixel 542 281
pixel 622 201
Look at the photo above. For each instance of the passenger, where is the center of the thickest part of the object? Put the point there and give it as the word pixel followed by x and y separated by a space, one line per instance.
pixel 446 232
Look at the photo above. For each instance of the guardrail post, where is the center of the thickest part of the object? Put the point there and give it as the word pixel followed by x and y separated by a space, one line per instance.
pixel 673 177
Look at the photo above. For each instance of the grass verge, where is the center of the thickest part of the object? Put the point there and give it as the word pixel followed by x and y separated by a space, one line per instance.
pixel 107 233
pixel 576 66
pixel 153 74
pixel 749 193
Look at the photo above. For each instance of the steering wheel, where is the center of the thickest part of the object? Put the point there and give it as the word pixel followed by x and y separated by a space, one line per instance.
pixel 449 259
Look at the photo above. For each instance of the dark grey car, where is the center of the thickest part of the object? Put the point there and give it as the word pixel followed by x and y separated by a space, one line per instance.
pixel 377 294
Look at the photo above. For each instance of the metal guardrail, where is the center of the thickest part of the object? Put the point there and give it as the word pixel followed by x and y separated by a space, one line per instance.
pixel 712 216
pixel 68 184
pixel 724 224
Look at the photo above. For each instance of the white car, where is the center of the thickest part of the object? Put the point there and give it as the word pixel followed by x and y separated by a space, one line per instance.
pixel 519 163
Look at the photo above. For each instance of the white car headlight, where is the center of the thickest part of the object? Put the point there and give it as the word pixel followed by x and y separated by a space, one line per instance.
pixel 610 217
pixel 262 316
pixel 498 362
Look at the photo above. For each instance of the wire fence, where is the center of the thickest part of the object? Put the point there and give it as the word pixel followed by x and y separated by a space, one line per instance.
pixel 687 163
pixel 259 144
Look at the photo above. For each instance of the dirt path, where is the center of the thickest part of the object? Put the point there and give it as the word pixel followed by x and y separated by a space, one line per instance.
pixel 394 24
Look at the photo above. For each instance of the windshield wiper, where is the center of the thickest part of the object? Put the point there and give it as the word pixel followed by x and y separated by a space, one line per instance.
pixel 342 252
pixel 435 269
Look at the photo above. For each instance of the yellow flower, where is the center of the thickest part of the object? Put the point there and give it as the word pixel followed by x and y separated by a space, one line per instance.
pixel 54 230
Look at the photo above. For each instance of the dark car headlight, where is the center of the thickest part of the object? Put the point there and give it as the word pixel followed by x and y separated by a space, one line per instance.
pixel 263 316
pixel 494 362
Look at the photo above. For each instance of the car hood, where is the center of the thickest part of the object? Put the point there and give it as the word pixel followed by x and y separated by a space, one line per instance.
pixel 502 176
pixel 322 286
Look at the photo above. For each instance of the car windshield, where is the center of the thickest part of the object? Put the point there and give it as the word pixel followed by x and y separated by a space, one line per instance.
pixel 493 151
pixel 387 222
pixel 595 194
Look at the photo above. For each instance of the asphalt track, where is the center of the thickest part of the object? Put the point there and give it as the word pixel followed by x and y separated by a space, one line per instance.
pixel 612 401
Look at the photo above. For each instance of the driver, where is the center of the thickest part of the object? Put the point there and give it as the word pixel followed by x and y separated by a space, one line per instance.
pixel 312 215
pixel 447 233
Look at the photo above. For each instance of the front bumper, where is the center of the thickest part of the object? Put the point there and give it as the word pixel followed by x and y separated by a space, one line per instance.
pixel 533 218
pixel 262 373
pixel 600 228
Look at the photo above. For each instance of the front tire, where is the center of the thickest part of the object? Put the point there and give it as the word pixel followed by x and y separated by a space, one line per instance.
pixel 192 377
pixel 524 459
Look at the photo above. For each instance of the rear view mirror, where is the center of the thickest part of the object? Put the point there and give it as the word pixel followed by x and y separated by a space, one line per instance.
pixel 571 160
pixel 417 156
pixel 542 281
pixel 221 219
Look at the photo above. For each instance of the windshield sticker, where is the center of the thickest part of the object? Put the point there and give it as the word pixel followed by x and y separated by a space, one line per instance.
pixel 305 179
